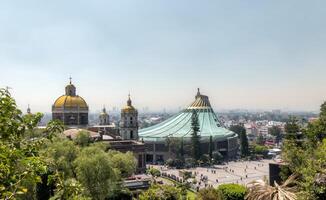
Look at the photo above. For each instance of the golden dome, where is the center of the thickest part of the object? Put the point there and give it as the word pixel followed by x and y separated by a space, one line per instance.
pixel 128 108
pixel 70 102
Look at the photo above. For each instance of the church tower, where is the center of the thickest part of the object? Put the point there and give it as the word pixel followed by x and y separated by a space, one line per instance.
pixel 129 122
pixel 104 117
pixel 28 110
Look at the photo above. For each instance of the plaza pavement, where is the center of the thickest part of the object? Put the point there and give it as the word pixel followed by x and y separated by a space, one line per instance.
pixel 240 172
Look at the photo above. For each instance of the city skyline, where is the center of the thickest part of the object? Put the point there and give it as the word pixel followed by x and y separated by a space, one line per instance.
pixel 256 56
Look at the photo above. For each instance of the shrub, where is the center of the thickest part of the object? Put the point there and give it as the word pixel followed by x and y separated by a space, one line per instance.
pixel 154 172
pixel 190 162
pixel 208 194
pixel 232 191
pixel 217 156
pixel 156 192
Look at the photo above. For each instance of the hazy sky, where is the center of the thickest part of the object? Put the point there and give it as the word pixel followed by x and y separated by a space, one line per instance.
pixel 242 54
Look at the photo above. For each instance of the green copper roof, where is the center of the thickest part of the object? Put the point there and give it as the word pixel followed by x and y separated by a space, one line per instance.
pixel 180 124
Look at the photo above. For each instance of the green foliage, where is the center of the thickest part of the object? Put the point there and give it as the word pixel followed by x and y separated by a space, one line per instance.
pixel 232 191
pixel 205 159
pixel 292 129
pixel 125 162
pixel 82 139
pixel 241 131
pixel 69 189
pixel 60 155
pixel 95 172
pixel 208 194
pixel 211 147
pixel 190 162
pixel 260 140
pixel 34 161
pixel 53 128
pixel 186 175
pixel 275 131
pixel 11 121
pixel 154 172
pixel 161 192
pixel 20 164
pixel 195 137
pixel 217 156
pixel 175 163
pixel 306 155
pixel 260 150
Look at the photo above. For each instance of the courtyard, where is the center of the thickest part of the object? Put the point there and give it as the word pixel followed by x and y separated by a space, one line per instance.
pixel 240 172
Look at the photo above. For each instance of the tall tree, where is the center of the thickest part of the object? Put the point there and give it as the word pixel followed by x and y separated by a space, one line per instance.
pixel 20 163
pixel 211 147
pixel 276 132
pixel 317 128
pixel 292 129
pixel 195 137
pixel 241 131
pixel 260 139
pixel 96 172
pixel 182 150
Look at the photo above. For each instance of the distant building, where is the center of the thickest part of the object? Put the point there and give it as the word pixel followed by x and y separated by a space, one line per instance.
pixel 104 117
pixel 179 126
pixel 70 108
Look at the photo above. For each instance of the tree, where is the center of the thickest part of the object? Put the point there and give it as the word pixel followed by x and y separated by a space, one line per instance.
pixel 211 147
pixel 275 131
pixel 260 140
pixel 95 172
pixel 306 156
pixel 208 194
pixel 154 172
pixel 292 129
pixel 217 156
pixel 182 150
pixel 261 190
pixel 316 130
pixel 83 138
pixel 260 150
pixel 232 191
pixel 20 164
pixel 60 154
pixel 125 162
pixel 159 192
pixel 241 131
pixel 195 137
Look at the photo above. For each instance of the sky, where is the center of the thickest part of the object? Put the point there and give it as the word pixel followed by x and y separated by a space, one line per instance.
pixel 242 54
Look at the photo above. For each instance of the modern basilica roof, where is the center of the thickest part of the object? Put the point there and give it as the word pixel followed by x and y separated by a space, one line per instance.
pixel 179 125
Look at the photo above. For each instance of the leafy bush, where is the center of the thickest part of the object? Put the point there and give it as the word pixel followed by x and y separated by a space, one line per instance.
pixel 83 138
pixel 154 172
pixel 174 163
pixel 157 192
pixel 190 162
pixel 217 156
pixel 208 194
pixel 232 191
pixel 260 150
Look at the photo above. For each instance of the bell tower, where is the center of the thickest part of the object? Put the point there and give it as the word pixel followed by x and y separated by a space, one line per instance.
pixel 129 122
pixel 104 117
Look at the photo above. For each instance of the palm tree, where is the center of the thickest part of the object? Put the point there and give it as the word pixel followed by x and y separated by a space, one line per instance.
pixel 260 190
